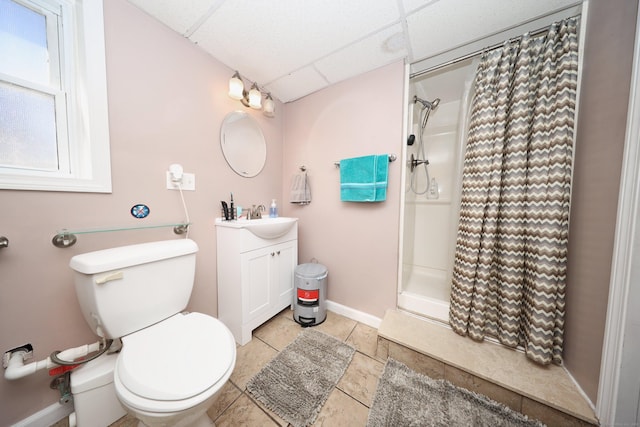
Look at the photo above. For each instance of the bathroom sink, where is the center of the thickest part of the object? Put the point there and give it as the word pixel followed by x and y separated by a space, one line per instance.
pixel 270 228
pixel 265 228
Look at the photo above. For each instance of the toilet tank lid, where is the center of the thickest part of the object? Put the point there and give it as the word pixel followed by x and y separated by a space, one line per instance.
pixel 126 256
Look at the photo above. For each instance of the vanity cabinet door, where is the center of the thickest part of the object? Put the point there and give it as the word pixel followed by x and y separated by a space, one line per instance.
pixel 267 280
pixel 257 296
pixel 286 257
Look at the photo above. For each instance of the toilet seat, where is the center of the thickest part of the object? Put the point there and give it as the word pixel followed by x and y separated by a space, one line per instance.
pixel 174 364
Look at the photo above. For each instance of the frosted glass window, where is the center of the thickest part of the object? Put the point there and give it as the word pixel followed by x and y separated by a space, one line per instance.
pixel 23 43
pixel 28 137
pixel 54 130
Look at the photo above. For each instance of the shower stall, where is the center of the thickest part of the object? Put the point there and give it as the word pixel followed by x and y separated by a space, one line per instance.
pixel 437 117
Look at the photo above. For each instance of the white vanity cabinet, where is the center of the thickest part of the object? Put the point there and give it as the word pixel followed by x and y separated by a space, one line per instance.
pixel 255 276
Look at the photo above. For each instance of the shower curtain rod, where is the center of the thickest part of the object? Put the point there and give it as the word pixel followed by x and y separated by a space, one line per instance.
pixel 534 33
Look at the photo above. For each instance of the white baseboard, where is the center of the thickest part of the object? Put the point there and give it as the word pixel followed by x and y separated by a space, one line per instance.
pixel 354 314
pixel 47 416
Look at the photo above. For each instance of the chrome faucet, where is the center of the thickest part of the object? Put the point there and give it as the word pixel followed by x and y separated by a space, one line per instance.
pixel 256 212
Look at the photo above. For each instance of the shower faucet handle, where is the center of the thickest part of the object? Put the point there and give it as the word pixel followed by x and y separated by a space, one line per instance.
pixel 415 162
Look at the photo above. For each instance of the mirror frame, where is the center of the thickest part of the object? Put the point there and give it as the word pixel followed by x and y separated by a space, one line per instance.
pixel 243 144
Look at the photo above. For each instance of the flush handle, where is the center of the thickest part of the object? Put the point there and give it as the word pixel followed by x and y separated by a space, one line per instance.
pixel 118 275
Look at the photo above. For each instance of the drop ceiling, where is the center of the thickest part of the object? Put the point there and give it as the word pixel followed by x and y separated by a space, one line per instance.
pixel 292 48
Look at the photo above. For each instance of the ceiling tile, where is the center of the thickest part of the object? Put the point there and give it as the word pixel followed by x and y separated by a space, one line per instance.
pixel 178 15
pixel 411 5
pixel 374 51
pixel 268 39
pixel 297 84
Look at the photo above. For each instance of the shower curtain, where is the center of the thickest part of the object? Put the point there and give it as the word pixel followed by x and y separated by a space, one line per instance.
pixel 511 247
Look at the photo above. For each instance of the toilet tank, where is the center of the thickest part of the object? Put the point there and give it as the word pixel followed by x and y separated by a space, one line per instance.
pixel 122 290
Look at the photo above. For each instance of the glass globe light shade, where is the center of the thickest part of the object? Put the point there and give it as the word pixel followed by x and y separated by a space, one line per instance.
pixel 269 107
pixel 236 87
pixel 255 97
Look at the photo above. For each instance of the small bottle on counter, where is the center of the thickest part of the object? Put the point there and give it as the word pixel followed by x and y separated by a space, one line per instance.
pixel 273 210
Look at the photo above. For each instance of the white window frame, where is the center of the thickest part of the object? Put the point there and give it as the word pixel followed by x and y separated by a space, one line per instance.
pixel 84 82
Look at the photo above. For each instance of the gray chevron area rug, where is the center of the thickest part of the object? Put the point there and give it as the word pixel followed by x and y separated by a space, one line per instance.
pixel 296 383
pixel 407 398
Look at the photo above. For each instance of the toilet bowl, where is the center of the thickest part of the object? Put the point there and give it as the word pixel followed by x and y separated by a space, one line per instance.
pixel 172 364
pixel 170 373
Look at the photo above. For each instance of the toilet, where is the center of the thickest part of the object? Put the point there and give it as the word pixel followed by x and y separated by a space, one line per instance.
pixel 172 364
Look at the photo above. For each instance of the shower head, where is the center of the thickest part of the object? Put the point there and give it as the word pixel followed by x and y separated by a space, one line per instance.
pixel 427 104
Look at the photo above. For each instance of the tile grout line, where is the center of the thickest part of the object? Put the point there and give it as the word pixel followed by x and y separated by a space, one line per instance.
pixel 267 344
pixel 230 404
pixel 351 332
pixel 259 405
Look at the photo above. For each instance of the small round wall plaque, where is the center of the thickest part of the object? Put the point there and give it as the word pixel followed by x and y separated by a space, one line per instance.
pixel 140 211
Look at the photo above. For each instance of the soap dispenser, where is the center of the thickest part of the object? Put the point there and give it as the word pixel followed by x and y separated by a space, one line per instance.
pixel 273 210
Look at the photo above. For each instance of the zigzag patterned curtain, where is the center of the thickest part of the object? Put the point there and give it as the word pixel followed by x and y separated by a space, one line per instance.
pixel 511 248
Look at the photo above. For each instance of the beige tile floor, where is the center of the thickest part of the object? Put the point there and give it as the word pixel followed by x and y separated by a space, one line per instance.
pixel 348 404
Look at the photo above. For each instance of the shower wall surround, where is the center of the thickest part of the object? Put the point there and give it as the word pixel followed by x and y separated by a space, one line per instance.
pixel 430 222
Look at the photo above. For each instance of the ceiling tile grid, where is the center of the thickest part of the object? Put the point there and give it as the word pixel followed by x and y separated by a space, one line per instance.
pixel 177 15
pixel 296 47
pixel 276 38
pixel 297 84
pixel 365 55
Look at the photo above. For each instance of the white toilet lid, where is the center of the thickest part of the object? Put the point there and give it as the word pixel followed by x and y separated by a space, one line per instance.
pixel 177 358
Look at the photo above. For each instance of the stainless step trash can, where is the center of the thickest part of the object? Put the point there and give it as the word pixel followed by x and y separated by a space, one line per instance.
pixel 310 294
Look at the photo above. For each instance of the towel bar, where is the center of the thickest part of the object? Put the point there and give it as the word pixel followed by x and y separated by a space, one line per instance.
pixel 392 158
pixel 66 238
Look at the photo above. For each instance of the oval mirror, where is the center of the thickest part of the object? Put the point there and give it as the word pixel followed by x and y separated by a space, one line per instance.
pixel 243 144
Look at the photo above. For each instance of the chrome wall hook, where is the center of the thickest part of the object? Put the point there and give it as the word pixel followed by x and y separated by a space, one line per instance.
pixel 4 242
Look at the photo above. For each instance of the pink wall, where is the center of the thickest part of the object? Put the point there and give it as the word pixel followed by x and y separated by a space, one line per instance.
pixel 357 242
pixel 166 102
pixel 600 138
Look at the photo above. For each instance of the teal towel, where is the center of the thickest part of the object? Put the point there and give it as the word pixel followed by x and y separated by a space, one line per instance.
pixel 364 179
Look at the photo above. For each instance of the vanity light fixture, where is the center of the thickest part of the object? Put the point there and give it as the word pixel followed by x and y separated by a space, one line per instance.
pixel 253 98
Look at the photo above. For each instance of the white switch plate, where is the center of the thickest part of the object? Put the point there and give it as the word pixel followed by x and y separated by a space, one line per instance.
pixel 188 182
